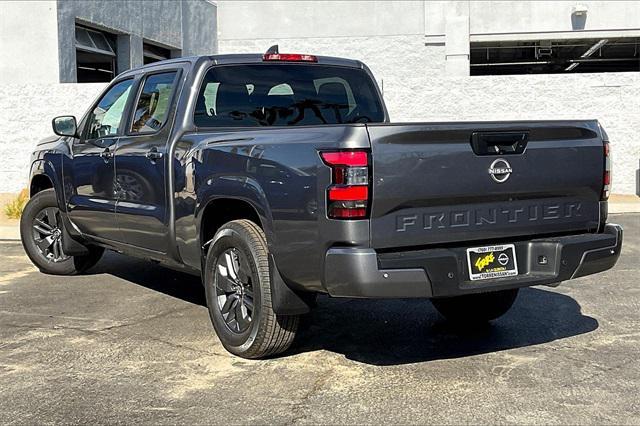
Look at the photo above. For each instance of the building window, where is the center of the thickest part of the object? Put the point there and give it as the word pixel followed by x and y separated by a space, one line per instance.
pixel 556 56
pixel 95 55
pixel 154 53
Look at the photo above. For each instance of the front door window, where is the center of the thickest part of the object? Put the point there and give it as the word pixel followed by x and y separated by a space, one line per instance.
pixel 105 119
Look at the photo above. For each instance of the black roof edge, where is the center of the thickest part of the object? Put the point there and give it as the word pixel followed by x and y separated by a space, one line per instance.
pixel 241 58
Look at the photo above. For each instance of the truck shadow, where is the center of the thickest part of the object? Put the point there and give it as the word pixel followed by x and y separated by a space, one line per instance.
pixel 395 332
pixel 389 332
pixel 148 274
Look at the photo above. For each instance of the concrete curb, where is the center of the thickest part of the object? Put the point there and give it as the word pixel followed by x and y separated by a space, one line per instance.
pixel 9 233
pixel 619 203
pixel 617 208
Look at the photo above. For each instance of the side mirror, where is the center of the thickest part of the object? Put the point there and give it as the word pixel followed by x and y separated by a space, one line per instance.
pixel 65 126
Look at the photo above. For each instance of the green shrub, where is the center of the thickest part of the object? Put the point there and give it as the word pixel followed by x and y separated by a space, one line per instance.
pixel 14 208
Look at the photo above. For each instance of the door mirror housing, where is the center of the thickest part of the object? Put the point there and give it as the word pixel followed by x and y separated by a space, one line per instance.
pixel 65 125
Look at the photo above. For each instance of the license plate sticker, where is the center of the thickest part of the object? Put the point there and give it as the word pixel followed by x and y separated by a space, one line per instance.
pixel 492 262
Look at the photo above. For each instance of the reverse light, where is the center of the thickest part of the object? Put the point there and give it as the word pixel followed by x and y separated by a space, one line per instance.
pixel 289 57
pixel 348 195
pixel 606 178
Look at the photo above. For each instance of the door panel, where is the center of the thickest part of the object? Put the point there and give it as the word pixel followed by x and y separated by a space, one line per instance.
pixel 140 188
pixel 140 165
pixel 92 203
pixel 90 174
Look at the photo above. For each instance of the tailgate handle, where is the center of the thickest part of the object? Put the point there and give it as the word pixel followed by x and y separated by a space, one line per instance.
pixel 499 143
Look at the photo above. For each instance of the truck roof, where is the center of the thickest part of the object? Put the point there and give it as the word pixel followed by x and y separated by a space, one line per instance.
pixel 243 58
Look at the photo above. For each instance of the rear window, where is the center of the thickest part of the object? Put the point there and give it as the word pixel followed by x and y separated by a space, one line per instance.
pixel 286 95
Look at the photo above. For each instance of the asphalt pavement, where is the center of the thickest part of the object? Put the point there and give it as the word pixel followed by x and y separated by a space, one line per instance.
pixel 131 342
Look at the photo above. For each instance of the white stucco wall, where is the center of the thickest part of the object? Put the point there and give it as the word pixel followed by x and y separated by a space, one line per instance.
pixel 295 19
pixel 301 19
pixel 26 111
pixel 521 17
pixel 27 29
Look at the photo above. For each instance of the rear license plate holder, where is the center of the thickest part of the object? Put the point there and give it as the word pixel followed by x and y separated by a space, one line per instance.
pixel 492 262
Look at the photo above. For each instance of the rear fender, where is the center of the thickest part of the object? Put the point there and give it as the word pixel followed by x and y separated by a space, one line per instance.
pixel 241 188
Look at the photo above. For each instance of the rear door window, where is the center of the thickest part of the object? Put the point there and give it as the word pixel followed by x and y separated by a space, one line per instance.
pixel 286 95
pixel 152 106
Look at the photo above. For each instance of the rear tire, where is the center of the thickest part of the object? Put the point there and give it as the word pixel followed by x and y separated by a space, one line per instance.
pixel 238 290
pixel 476 308
pixel 40 232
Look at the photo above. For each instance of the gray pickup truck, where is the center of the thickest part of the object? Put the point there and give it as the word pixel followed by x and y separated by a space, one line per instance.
pixel 276 177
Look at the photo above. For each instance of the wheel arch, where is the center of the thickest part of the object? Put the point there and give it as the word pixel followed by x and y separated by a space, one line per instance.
pixel 219 211
pixel 232 194
pixel 39 183
pixel 43 175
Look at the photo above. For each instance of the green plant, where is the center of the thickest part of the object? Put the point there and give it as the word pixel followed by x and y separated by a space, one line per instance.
pixel 14 208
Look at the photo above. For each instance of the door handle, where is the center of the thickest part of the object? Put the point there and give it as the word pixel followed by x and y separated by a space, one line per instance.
pixel 106 154
pixel 153 154
pixel 499 143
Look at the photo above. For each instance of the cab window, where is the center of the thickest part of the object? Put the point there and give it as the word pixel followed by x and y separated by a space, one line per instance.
pixel 152 106
pixel 286 95
pixel 106 118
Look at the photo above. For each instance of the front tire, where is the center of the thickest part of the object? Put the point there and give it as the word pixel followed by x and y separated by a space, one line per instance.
pixel 475 309
pixel 238 290
pixel 41 235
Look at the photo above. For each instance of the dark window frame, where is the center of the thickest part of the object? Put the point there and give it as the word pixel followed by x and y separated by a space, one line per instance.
pixel 142 79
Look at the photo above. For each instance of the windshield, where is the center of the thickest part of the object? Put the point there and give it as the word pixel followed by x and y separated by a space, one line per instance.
pixel 286 95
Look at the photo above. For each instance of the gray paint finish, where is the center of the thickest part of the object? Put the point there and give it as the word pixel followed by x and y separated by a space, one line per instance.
pixel 415 167
pixel 188 27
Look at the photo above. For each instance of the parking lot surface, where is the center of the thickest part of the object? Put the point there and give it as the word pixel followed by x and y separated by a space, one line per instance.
pixel 132 342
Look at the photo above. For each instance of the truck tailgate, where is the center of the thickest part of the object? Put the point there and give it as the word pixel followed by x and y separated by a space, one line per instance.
pixel 436 183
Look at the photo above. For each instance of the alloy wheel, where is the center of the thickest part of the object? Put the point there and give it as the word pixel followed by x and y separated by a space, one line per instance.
pixel 234 290
pixel 47 235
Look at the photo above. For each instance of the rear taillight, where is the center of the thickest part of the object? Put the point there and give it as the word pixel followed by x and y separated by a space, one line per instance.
pixel 289 57
pixel 348 195
pixel 606 178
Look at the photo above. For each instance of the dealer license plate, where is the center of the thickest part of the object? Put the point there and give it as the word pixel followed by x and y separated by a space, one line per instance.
pixel 491 262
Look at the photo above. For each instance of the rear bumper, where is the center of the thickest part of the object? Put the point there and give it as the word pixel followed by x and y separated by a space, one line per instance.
pixel 442 272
